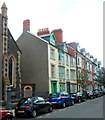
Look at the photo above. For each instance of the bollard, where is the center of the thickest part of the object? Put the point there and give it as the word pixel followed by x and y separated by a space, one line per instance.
pixel 8 103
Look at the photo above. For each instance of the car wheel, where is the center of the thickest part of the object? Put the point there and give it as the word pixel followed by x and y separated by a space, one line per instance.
pixel 8 118
pixel 91 97
pixel 79 101
pixel 63 105
pixel 84 100
pixel 34 113
pixel 72 102
pixel 50 109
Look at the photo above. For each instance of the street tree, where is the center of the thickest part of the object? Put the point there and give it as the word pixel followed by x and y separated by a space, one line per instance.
pixel 83 80
pixel 100 77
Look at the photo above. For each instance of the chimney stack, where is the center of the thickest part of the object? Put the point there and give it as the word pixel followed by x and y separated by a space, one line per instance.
pixel 26 25
pixel 58 34
pixel 43 31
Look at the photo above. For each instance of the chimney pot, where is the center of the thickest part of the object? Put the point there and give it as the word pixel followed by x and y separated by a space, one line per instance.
pixel 43 31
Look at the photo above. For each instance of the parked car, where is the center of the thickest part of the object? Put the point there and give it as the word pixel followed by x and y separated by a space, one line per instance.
pixel 90 94
pixel 75 98
pixel 60 99
pixel 78 97
pixel 100 92
pixel 103 90
pixel 31 106
pixel 96 93
pixel 6 115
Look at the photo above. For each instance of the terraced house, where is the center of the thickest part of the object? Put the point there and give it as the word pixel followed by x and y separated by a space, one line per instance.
pixel 62 73
pixel 49 64
pixel 45 62
pixel 9 59
pixel 86 68
pixel 71 68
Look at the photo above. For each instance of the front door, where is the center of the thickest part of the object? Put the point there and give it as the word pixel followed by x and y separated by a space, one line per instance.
pixel 53 86
pixel 62 87
pixel 28 92
pixel 68 87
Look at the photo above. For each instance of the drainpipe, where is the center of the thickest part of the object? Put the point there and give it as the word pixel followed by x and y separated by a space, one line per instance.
pixel 76 71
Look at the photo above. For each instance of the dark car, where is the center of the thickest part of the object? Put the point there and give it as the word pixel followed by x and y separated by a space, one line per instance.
pixel 78 97
pixel 6 115
pixel 31 106
pixel 60 99
pixel 100 92
pixel 75 98
pixel 103 90
pixel 96 93
pixel 90 94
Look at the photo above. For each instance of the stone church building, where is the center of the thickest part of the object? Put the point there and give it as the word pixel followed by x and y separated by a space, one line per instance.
pixel 9 60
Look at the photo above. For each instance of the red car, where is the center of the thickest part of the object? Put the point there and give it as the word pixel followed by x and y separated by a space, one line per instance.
pixel 6 115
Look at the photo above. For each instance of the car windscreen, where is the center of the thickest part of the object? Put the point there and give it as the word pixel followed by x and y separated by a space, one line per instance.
pixel 89 92
pixel 96 91
pixel 73 95
pixel 53 95
pixel 25 101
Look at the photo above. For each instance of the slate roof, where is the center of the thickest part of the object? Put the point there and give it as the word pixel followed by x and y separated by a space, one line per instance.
pixel 11 39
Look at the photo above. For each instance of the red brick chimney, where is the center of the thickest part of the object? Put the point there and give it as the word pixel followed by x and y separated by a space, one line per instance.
pixel 58 34
pixel 43 31
pixel 26 25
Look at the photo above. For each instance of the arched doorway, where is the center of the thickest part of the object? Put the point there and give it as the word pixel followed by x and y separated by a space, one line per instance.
pixel 27 91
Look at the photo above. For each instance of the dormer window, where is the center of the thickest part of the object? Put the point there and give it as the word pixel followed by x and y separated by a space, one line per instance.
pixel 65 48
pixel 78 48
pixel 52 39
pixel 84 52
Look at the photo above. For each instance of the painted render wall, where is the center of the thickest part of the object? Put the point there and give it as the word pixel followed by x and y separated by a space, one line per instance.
pixel 53 62
pixel 34 62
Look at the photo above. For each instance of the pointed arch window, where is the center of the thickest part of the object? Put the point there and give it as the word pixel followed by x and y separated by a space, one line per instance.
pixel 11 70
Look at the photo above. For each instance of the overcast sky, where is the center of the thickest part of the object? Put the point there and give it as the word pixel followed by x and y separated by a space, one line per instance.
pixel 80 20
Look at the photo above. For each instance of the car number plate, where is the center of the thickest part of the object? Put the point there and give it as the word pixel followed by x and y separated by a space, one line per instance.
pixel 20 111
pixel 53 102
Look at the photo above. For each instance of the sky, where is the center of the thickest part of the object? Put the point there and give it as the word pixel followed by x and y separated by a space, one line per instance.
pixel 80 20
